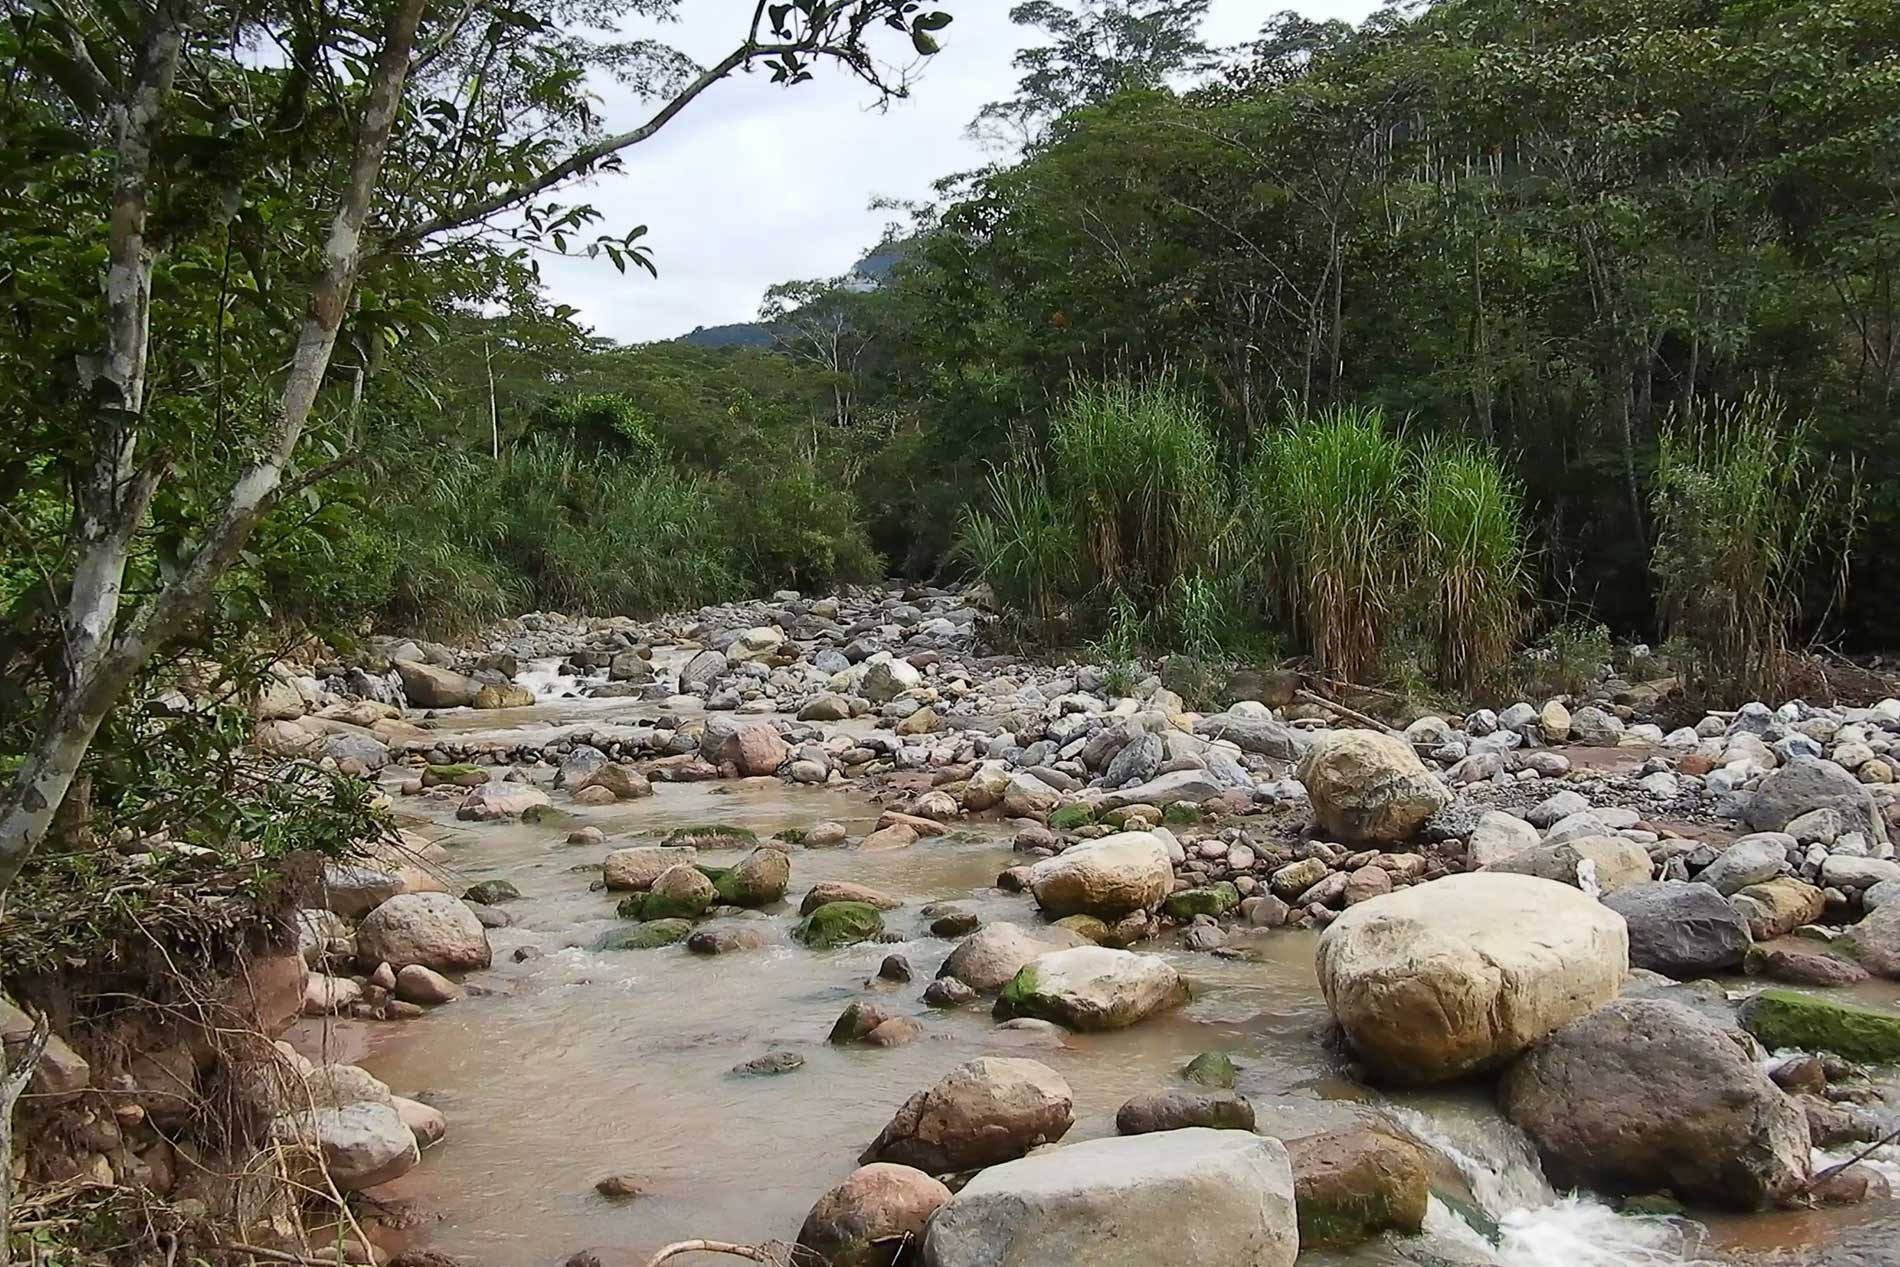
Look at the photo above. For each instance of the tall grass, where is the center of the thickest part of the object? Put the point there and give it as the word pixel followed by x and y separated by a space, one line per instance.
pixel 1026 545
pixel 1739 509
pixel 1330 495
pixel 1136 464
pixel 1471 560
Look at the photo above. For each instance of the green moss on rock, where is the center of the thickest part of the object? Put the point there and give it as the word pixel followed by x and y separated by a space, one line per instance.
pixel 712 836
pixel 1070 817
pixel 1212 899
pixel 1212 1069
pixel 1181 814
pixel 1086 926
pixel 648 936
pixel 838 924
pixel 661 906
pixel 1787 1018
pixel 492 892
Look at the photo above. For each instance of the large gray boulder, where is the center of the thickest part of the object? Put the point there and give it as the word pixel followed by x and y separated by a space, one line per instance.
pixel 1165 789
pixel 1092 988
pixel 427 686
pixel 1107 878
pixel 635 869
pixel 360 1145
pixel 1257 734
pixel 887 679
pixel 703 670
pixel 1188 1196
pixel 1369 788
pixel 433 929
pixel 1810 783
pixel 1751 860
pixel 989 959
pixel 1683 931
pixel 1643 1095
pixel 1460 975
pixel 982 1113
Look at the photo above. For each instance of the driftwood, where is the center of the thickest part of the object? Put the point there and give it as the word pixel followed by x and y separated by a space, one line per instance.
pixel 753 1252
pixel 1370 723
pixel 13 1080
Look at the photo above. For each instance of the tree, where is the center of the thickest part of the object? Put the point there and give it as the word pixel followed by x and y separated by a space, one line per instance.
pixel 299 206
pixel 821 323
pixel 1096 49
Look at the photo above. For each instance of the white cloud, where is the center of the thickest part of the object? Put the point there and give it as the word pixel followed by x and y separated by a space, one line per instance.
pixel 754 184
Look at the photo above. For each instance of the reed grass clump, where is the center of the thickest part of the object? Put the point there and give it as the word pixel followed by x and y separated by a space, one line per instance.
pixel 1740 509
pixel 1471 557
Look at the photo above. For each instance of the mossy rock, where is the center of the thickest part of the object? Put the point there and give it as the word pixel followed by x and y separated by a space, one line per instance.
pixel 791 835
pixel 1181 814
pixel 712 836
pixel 660 906
pixel 1652 1205
pixel 648 936
pixel 1212 899
pixel 459 775
pixel 492 893
pixel 543 814
pixel 838 924
pixel 1018 997
pixel 1212 1069
pixel 1070 817
pixel 1787 1018
pixel 1086 926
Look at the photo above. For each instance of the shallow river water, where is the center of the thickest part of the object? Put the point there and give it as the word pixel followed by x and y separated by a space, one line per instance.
pixel 576 1065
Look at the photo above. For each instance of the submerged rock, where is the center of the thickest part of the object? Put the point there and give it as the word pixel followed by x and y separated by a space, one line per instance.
pixel 1173 1108
pixel 838 924
pixel 1353 1185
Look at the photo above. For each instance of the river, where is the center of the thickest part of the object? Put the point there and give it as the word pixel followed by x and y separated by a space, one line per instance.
pixel 575 1064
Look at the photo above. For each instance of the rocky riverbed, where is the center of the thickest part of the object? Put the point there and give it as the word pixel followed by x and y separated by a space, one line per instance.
pixel 713 909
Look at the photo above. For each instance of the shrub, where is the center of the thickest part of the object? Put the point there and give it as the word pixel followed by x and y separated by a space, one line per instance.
pixel 1739 510
pixel 1470 557
pixel 1026 545
pixel 1330 498
pixel 599 423
pixel 789 526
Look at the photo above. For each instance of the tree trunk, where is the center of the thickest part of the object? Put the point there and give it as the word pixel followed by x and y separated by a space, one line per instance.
pixel 78 707
pixel 14 1077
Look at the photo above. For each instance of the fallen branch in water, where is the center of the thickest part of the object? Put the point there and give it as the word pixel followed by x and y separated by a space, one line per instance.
pixel 1862 1155
pixel 753 1252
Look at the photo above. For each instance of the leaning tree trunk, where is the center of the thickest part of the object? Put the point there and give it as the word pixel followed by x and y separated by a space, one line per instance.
pixel 14 1076
pixel 80 705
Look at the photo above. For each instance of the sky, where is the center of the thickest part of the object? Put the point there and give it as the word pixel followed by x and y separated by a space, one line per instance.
pixel 755 184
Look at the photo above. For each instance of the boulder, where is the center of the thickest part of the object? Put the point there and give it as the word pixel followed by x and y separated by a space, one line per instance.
pixel 1876 940
pixel 887 679
pixel 1779 906
pixel 495 801
pixel 1369 788
pixel 1193 786
pixel 1683 931
pixel 1107 878
pixel 1498 837
pixel 1026 796
pixel 361 1145
pixel 1187 1196
pixel 494 695
pixel 1174 1108
pixel 1591 725
pixel 1355 1184
pixel 703 670
pixel 1787 1018
pixel 1810 783
pixel 353 890
pixel 1461 974
pixel 982 1113
pixel 1642 1095
pixel 427 1123
pixel 432 929
pixel 836 924
pixel 845 891
pixel 759 879
pixel 635 869
pixel 1751 860
pixel 680 892
pixel 1595 864
pixel 1257 734
pixel 625 782
pixel 427 686
pixel 425 986
pixel 989 959
pixel 867 1220
pixel 1092 988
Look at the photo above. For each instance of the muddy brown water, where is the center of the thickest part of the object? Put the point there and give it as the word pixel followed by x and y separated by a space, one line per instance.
pixel 578 1064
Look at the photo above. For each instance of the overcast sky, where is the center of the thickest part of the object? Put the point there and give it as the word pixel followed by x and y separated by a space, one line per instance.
pixel 755 184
